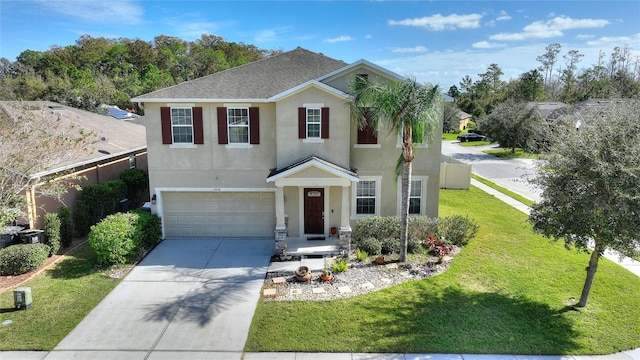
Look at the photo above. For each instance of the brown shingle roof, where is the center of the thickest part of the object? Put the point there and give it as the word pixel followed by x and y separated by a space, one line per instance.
pixel 256 80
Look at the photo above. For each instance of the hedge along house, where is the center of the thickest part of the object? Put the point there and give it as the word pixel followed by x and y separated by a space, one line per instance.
pixel 270 149
pixel 118 145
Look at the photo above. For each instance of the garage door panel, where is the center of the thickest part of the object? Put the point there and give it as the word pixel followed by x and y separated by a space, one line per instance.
pixel 223 214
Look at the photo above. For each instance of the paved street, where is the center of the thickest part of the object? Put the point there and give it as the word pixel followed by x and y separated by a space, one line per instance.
pixel 512 174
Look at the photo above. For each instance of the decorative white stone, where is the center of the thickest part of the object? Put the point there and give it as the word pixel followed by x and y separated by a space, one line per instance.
pixel 318 290
pixel 367 285
pixel 278 280
pixel 344 289
pixel 269 292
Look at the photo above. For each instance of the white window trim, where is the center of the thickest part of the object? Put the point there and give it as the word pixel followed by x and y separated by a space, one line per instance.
pixel 173 140
pixel 183 146
pixel 313 141
pixel 423 194
pixel 367 146
pixel 354 193
pixel 319 123
pixel 238 146
pixel 248 126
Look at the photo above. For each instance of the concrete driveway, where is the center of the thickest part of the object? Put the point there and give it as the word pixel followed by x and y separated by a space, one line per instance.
pixel 188 298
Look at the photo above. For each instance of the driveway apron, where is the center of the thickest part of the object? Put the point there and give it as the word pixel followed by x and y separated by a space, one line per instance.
pixel 187 294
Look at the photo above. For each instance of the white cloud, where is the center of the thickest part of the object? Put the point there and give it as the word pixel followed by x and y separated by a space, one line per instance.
pixel 438 22
pixel 585 36
pixel 341 38
pixel 550 28
pixel 503 16
pixel 415 49
pixel 125 12
pixel 632 41
pixel 368 36
pixel 268 35
pixel 487 45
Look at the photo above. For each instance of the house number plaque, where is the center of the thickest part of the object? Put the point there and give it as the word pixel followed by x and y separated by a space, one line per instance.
pixel 313 194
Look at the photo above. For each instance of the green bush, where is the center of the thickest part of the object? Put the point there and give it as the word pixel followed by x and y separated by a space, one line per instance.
pixel 118 238
pixel 112 239
pixel 390 246
pixel 52 232
pixel 457 229
pixel 137 182
pixel 97 201
pixel 371 245
pixel 22 258
pixel 379 227
pixel 147 229
pixel 66 226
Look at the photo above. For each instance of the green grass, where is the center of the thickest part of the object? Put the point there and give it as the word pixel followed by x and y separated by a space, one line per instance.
pixel 475 143
pixel 508 154
pixel 504 190
pixel 506 292
pixel 62 296
pixel 447 136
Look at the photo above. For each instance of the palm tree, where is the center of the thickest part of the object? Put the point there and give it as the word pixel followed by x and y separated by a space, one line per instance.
pixel 407 109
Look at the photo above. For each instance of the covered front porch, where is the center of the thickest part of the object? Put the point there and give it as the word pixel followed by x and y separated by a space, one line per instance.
pixel 313 206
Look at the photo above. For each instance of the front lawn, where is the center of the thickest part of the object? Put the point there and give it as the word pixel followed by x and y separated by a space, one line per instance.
pixel 508 154
pixel 506 292
pixel 62 296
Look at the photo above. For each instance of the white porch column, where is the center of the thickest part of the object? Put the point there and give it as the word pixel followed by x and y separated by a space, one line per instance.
pixel 345 212
pixel 280 225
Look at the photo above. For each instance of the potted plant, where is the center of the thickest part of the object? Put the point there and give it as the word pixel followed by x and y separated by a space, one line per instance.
pixel 379 259
pixel 326 275
pixel 303 273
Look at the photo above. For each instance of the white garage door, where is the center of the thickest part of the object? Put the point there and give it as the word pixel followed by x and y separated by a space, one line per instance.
pixel 219 214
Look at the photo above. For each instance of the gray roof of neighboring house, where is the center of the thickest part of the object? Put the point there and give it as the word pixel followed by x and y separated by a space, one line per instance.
pixel 263 78
pixel 463 115
pixel 112 136
pixel 546 108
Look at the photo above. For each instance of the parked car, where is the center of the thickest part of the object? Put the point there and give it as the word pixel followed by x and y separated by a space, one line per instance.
pixel 471 137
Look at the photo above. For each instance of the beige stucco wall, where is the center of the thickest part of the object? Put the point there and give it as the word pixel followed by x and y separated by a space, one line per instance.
pixel 291 149
pixel 211 165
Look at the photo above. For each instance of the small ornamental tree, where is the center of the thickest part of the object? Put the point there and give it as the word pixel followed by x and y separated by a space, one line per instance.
pixel 591 185
pixel 515 125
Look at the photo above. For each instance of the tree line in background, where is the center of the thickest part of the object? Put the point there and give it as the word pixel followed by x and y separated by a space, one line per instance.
pixel 557 79
pixel 97 71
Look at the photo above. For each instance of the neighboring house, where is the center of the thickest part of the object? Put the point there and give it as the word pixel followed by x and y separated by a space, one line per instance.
pixel 120 145
pixel 270 147
pixel 464 119
pixel 550 110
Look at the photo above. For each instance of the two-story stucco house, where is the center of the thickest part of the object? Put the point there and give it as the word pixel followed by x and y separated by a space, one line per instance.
pixel 269 149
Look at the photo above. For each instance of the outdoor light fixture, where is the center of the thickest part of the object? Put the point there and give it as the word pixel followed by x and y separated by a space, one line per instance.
pixel 153 199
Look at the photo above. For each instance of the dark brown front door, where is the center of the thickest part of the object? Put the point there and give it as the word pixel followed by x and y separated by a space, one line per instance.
pixel 313 211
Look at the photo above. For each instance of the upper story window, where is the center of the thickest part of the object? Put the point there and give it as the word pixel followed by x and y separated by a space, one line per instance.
pixel 313 123
pixel 182 125
pixel 238 123
pixel 238 126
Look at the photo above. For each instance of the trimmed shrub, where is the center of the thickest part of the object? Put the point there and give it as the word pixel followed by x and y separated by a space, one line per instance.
pixel 421 226
pixel 147 229
pixel 118 238
pixel 22 258
pixel 66 226
pixel 379 227
pixel 457 229
pixel 112 239
pixel 371 245
pixel 414 245
pixel 137 182
pixel 52 232
pixel 390 246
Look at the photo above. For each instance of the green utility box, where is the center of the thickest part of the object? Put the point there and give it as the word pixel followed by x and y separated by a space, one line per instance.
pixel 22 298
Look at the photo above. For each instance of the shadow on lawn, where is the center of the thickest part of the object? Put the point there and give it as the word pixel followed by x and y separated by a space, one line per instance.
pixel 470 323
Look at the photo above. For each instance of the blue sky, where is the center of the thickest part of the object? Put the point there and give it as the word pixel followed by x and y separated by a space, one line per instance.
pixel 434 41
